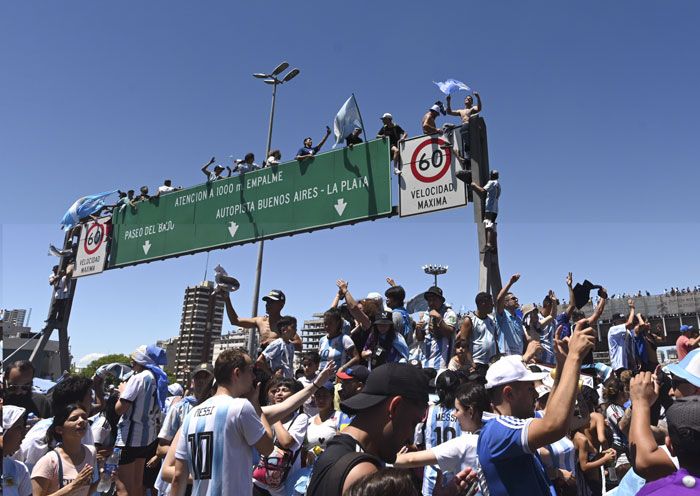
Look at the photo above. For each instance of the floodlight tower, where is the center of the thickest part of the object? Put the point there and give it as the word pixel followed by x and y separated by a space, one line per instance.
pixel 435 271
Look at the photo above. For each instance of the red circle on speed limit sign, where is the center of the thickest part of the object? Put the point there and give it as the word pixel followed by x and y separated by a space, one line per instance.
pixel 94 238
pixel 430 165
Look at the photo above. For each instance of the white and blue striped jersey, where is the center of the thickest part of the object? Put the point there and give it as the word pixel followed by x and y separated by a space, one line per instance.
pixel 440 425
pixel 140 425
pixel 336 349
pixel 216 441
pixel 562 454
pixel 437 350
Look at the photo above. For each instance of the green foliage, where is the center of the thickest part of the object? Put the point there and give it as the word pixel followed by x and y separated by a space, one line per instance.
pixel 89 371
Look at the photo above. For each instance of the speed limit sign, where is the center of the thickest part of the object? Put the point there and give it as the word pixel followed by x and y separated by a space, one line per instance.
pixel 92 248
pixel 428 180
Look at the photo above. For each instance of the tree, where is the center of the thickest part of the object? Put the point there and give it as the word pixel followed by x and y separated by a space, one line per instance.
pixel 89 371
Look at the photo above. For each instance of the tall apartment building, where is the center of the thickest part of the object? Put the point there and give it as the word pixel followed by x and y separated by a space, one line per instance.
pixel 311 333
pixel 194 346
pixel 236 339
pixel 17 317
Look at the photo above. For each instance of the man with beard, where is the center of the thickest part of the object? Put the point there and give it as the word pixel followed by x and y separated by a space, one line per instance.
pixel 508 443
pixel 387 410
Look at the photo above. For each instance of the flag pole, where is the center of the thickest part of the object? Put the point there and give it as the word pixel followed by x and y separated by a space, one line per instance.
pixel 364 133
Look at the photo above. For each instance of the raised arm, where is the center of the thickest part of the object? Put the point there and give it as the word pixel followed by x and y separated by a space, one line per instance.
pixel 593 319
pixel 477 107
pixel 449 107
pixel 323 140
pixel 354 309
pixel 233 316
pixel 630 320
pixel 501 298
pixel 339 296
pixel 205 167
pixel 282 410
pixel 555 423
pixel 648 460
pixel 572 299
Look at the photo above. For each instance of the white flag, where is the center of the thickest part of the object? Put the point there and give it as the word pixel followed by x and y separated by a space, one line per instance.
pixel 347 119
pixel 452 85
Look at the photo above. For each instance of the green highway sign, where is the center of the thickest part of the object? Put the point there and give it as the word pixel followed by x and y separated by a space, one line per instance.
pixel 334 188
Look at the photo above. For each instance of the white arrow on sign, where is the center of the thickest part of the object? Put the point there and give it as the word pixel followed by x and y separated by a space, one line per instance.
pixel 232 228
pixel 146 246
pixel 340 206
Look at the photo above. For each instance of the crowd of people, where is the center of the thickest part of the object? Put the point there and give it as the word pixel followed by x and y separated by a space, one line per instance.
pixel 506 400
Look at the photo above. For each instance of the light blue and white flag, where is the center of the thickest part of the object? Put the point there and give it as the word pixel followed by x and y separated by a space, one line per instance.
pixel 451 85
pixel 347 119
pixel 83 207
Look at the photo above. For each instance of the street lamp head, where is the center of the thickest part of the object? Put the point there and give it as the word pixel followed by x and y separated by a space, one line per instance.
pixel 270 81
pixel 290 75
pixel 280 68
pixel 260 75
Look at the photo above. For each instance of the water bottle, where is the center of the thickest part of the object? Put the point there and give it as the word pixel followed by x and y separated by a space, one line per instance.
pixel 110 467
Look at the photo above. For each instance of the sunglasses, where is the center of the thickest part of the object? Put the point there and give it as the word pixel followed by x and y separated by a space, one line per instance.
pixel 677 382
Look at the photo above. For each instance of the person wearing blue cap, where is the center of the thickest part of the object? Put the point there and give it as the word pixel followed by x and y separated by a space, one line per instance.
pixel 687 341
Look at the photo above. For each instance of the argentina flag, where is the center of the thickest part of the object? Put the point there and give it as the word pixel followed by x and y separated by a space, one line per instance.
pixel 83 207
pixel 347 119
pixel 451 85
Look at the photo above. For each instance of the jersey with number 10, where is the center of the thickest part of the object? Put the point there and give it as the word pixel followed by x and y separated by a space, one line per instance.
pixel 440 425
pixel 216 441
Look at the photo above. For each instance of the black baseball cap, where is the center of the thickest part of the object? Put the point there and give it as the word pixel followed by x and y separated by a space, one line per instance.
pixel 275 295
pixel 383 318
pixel 359 372
pixel 435 291
pixel 202 367
pixel 683 419
pixel 386 381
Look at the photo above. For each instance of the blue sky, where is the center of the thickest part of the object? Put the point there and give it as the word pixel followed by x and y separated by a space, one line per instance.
pixel 591 112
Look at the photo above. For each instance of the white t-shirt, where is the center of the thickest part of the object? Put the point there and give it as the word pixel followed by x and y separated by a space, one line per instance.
pixel 222 431
pixel 15 478
pixel 616 345
pixel 335 349
pixel 320 434
pixel 297 430
pixel 34 445
pixel 165 189
pixel 140 425
pixel 459 453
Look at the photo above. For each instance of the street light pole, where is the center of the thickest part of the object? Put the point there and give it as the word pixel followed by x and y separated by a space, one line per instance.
pixel 273 80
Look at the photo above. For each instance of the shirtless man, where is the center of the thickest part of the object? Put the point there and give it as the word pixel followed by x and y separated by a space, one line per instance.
pixel 468 110
pixel 464 114
pixel 274 302
pixel 428 122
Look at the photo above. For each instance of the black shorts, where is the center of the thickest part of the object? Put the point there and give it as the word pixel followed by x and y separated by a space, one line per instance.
pixel 131 453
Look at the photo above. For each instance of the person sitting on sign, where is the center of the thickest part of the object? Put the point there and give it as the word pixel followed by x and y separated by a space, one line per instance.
pixel 308 150
pixel 428 122
pixel 218 170
pixel 396 135
pixel 144 196
pixel 274 302
pixel 246 165
pixel 353 138
pixel 491 191
pixel 166 187
pixel 274 158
